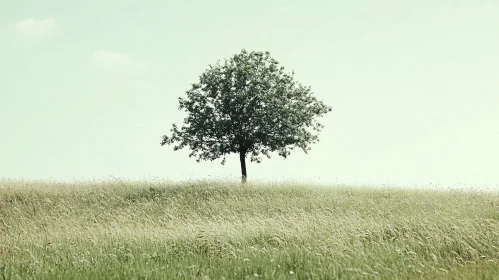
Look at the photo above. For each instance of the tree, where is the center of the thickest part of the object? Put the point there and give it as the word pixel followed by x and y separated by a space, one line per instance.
pixel 250 106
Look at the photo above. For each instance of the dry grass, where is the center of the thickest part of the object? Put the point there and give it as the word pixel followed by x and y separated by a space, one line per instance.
pixel 145 230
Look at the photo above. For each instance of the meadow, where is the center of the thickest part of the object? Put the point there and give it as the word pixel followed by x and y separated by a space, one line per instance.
pixel 222 230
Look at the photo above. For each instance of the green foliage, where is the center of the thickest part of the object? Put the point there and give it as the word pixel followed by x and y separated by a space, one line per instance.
pixel 250 105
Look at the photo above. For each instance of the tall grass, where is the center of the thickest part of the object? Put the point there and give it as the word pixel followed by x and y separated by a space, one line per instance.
pixel 217 230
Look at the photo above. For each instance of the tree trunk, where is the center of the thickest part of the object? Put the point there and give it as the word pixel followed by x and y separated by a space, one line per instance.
pixel 242 158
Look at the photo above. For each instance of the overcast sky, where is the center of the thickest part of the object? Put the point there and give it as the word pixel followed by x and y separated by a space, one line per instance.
pixel 88 88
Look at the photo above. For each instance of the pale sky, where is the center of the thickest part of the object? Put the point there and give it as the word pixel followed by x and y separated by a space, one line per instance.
pixel 88 88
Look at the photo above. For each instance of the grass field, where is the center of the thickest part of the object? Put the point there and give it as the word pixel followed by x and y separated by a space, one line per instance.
pixel 209 230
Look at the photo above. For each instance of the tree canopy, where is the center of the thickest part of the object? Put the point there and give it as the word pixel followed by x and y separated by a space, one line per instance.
pixel 247 105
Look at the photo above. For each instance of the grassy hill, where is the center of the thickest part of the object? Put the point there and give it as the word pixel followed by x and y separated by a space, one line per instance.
pixel 124 230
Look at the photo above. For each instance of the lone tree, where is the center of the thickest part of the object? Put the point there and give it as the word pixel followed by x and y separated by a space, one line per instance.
pixel 250 106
